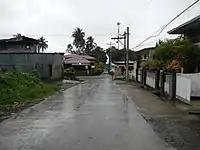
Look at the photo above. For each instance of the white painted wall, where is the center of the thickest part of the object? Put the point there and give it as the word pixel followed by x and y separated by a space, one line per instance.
pixel 150 79
pixel 183 88
pixel 166 86
pixel 195 83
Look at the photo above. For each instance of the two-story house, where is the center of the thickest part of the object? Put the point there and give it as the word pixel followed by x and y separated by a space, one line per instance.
pixel 19 44
pixel 146 53
pixel 190 29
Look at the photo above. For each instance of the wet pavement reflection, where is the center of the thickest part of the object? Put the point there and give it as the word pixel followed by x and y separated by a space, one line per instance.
pixel 94 115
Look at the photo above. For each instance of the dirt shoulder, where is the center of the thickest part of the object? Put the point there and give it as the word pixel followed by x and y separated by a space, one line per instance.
pixel 174 125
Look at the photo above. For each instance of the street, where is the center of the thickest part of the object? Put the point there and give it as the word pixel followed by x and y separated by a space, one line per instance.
pixel 94 115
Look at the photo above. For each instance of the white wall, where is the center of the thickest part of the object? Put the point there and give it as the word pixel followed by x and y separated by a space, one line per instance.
pixel 183 88
pixel 150 79
pixel 195 83
pixel 166 86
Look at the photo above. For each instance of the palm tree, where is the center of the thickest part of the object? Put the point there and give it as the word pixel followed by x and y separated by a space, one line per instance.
pixel 43 43
pixel 79 41
pixel 90 45
pixel 69 48
pixel 17 36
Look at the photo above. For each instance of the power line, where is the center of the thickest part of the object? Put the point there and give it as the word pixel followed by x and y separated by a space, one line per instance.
pixel 165 26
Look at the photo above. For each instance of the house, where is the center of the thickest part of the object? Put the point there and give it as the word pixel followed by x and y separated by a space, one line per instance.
pixel 81 63
pixel 190 29
pixel 146 53
pixel 48 65
pixel 19 44
pixel 120 67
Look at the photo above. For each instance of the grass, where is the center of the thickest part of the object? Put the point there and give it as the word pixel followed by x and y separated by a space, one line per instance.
pixel 18 89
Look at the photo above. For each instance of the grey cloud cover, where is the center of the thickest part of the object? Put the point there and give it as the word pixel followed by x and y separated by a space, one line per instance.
pixel 56 19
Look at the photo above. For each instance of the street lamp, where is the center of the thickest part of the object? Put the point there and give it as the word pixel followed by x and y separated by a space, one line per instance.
pixel 118 24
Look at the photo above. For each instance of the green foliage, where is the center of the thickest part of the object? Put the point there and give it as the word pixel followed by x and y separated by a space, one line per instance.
pixel 153 64
pixel 88 47
pixel 79 41
pixel 182 49
pixel 120 55
pixel 99 68
pixel 17 88
pixel 69 73
pixel 43 43
pixel 99 54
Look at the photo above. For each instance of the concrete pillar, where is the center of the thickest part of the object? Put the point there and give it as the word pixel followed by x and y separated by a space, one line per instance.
pixel 157 79
pixel 137 74
pixel 162 81
pixel 172 86
pixel 144 76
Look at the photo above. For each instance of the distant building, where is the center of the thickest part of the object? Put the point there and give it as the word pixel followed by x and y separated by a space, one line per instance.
pixel 190 29
pixel 19 44
pixel 146 53
pixel 83 64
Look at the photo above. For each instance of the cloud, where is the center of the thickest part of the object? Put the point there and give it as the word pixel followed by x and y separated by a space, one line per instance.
pixel 57 19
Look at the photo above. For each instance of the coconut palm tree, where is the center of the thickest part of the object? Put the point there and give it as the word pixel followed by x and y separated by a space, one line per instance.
pixel 17 36
pixel 79 41
pixel 69 48
pixel 90 45
pixel 43 43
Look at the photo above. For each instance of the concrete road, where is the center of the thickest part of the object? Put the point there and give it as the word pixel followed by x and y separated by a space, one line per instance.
pixel 95 115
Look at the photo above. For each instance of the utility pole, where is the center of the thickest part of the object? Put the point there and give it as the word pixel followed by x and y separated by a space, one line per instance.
pixel 125 49
pixel 127 57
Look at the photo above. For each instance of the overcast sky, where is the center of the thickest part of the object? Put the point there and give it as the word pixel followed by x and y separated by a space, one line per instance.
pixel 56 19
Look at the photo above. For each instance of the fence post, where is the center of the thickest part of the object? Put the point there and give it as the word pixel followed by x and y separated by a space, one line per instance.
pixel 162 81
pixel 136 74
pixel 173 86
pixel 144 76
pixel 157 79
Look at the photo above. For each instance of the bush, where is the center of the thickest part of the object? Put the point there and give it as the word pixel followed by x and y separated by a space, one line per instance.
pixel 17 88
pixel 69 72
pixel 99 68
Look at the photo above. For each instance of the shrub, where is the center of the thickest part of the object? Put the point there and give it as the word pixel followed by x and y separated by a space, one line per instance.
pixel 16 88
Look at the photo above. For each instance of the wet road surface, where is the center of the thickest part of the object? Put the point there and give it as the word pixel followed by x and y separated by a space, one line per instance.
pixel 95 115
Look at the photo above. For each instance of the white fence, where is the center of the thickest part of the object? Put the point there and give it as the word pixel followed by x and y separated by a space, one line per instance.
pixel 150 79
pixel 183 88
pixel 195 83
pixel 167 82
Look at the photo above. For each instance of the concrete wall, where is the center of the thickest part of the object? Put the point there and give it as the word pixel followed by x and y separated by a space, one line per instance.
pixel 183 88
pixel 27 62
pixel 151 79
pixel 195 83
pixel 167 84
pixel 16 48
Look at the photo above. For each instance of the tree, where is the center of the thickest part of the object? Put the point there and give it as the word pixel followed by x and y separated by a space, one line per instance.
pixel 79 41
pixel 180 49
pixel 43 43
pixel 18 35
pixel 90 45
pixel 69 48
pixel 99 54
pixel 120 55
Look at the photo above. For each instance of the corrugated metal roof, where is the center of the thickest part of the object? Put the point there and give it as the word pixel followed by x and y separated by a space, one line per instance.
pixel 179 30
pixel 77 60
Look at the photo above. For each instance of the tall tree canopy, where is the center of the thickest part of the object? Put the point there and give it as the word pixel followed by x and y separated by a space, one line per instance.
pixel 88 47
pixel 120 55
pixel 90 44
pixel 69 48
pixel 180 49
pixel 79 41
